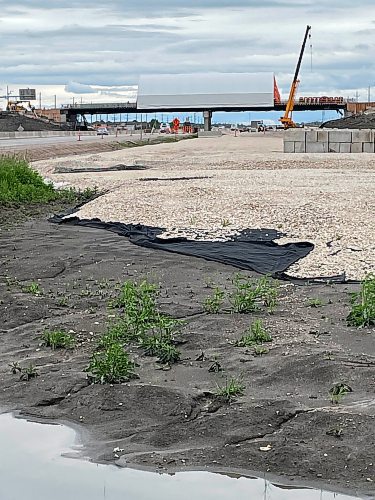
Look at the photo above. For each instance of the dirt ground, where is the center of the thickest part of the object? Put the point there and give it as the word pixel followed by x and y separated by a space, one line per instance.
pixel 169 420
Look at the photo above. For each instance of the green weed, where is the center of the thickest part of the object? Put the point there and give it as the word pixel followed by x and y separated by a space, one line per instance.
pixel 259 350
pixel 15 368
pixel 138 302
pixel 250 294
pixel 58 339
pixel 233 387
pixel 363 304
pixel 34 289
pixel 111 366
pixel 315 302
pixel 338 391
pixel 213 303
pixel 255 335
pixel 29 372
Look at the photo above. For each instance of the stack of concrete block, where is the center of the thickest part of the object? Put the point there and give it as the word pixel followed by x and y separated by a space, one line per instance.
pixel 329 141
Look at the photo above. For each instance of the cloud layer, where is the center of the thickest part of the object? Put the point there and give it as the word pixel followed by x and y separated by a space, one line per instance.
pixel 112 43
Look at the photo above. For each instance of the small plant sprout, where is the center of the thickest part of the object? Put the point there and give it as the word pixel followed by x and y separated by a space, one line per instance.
pixel 315 302
pixel 338 391
pixel 15 368
pixel 29 372
pixel 259 350
pixel 269 291
pixel 213 303
pixel 58 339
pixel 111 366
pixel 363 304
pixel 255 335
pixel 62 302
pixel 225 222
pixel 233 387
pixel 33 289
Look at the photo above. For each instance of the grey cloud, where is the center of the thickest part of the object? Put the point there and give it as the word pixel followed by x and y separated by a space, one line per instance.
pixel 79 88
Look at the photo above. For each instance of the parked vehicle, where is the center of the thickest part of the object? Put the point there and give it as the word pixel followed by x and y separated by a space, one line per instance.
pixel 165 128
pixel 102 131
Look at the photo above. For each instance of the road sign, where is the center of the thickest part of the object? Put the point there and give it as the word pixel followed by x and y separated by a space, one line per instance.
pixel 27 94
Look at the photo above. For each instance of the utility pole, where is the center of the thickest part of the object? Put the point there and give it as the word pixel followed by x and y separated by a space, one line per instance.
pixel 55 101
pixel 40 100
pixel 369 93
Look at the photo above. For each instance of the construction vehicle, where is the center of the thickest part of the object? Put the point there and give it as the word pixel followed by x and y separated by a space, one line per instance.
pixel 17 106
pixel 287 120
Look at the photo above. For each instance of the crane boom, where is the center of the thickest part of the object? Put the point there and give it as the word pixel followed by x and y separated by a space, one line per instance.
pixel 286 120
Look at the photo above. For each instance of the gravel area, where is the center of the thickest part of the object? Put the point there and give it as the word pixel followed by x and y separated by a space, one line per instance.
pixel 244 181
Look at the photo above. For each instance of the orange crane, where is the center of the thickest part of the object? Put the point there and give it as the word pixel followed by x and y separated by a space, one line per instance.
pixel 287 120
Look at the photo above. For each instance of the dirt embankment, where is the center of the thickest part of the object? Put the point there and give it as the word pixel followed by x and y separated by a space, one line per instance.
pixel 284 423
pixel 11 122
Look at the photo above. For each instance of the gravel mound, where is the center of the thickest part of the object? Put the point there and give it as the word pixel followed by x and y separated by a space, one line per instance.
pixel 356 121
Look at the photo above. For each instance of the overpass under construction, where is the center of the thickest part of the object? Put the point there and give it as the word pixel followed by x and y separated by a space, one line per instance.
pixel 206 93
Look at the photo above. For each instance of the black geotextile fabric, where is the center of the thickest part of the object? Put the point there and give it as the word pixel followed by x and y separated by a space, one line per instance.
pixel 252 249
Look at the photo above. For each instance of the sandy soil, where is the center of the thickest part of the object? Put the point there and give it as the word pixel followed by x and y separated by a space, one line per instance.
pixel 284 423
pixel 242 182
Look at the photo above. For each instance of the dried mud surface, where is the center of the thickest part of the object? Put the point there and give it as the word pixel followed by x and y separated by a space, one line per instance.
pixel 172 419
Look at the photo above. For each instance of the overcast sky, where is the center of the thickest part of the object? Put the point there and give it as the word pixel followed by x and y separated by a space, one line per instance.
pixel 79 44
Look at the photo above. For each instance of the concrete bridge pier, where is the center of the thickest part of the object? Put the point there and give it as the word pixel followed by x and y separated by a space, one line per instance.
pixel 207 116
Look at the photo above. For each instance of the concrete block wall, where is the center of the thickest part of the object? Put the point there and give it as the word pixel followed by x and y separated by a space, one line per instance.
pixel 329 141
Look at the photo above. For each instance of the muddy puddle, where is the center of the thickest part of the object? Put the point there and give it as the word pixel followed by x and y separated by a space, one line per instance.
pixel 37 463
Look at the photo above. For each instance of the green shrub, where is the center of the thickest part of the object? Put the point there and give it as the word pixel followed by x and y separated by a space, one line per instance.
pixel 255 335
pixel 58 339
pixel 363 304
pixel 111 366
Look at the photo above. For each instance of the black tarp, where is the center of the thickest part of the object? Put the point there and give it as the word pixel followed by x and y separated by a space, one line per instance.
pixel 252 249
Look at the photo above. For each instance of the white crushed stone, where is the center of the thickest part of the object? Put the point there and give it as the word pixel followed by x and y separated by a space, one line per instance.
pixel 327 199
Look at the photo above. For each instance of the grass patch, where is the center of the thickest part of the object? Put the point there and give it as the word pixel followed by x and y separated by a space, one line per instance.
pixel 363 304
pixel 111 366
pixel 20 184
pixel 256 335
pixel 232 388
pixel 58 339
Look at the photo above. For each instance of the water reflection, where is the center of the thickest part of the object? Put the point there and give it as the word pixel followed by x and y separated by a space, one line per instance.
pixel 32 468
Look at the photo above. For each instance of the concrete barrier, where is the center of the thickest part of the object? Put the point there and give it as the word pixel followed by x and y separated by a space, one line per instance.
pixel 211 133
pixel 329 141
pixel 44 133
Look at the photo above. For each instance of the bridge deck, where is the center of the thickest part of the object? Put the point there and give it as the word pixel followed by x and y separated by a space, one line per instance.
pixel 131 107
